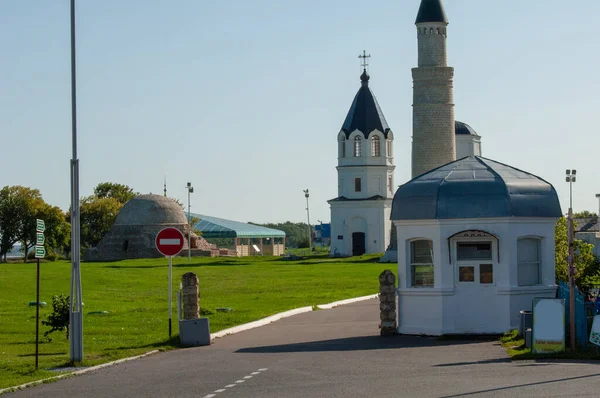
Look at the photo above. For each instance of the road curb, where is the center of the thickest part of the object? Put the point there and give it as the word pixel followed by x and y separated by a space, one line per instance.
pixel 222 333
pixel 75 373
pixel 286 314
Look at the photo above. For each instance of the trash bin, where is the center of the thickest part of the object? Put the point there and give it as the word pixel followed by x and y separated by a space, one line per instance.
pixel 526 321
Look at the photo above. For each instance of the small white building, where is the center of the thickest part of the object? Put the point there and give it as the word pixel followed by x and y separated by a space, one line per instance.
pixel 360 214
pixel 475 246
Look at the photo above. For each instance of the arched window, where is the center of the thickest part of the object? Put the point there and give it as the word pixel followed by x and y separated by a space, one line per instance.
pixel 389 148
pixel 421 263
pixel 528 261
pixel 357 147
pixel 375 148
pixel 343 147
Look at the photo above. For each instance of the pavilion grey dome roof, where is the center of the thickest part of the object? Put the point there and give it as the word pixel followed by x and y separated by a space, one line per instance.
pixel 475 187
pixel 365 115
pixel 464 129
pixel 151 210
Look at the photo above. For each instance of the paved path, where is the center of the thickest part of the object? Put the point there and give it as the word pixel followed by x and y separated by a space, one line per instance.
pixel 330 353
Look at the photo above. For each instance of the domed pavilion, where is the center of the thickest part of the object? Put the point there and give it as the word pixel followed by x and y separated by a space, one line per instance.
pixel 475 246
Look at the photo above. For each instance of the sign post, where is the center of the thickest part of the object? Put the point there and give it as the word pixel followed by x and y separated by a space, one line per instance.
pixel 169 242
pixel 40 252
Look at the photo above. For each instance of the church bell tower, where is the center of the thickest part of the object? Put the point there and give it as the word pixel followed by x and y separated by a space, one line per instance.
pixel 360 214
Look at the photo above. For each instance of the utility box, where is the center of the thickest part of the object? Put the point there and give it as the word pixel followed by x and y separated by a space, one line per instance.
pixel 194 332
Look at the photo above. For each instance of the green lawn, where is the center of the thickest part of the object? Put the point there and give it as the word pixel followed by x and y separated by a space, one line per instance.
pixel 135 295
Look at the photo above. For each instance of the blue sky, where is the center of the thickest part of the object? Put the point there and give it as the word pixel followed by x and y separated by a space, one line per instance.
pixel 245 98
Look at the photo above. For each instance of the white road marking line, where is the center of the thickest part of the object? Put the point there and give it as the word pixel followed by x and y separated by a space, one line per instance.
pixel 236 383
pixel 170 241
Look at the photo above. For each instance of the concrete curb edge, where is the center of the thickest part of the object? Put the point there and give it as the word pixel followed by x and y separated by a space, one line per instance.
pixel 75 373
pixel 281 315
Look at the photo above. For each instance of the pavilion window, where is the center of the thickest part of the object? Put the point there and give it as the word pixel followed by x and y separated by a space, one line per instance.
pixel 375 148
pixel 357 147
pixel 421 263
pixel 528 261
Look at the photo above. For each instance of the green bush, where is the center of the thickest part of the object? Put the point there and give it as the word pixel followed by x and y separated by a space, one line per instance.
pixel 59 319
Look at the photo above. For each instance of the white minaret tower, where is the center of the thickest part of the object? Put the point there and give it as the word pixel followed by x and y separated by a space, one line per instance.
pixel 433 100
pixel 360 215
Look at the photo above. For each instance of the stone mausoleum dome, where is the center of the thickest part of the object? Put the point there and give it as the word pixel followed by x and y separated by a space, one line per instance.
pixel 151 210
pixel 134 231
pixel 475 187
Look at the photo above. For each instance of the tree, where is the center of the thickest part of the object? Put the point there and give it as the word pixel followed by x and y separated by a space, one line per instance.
pixel 10 211
pixel 97 215
pixel 584 214
pixel 586 265
pixel 122 193
pixel 19 209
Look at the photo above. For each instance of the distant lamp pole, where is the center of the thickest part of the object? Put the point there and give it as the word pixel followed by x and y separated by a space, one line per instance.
pixel 308 218
pixel 190 190
pixel 571 177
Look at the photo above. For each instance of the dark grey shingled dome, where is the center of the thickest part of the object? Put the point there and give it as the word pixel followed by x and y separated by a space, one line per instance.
pixel 475 187
pixel 431 11
pixel 365 114
pixel 464 129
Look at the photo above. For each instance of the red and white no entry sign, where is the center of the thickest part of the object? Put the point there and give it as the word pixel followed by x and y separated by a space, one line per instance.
pixel 169 241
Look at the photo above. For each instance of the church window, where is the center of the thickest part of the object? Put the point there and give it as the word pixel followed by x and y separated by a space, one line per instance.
pixel 375 149
pixel 421 263
pixel 357 147
pixel 389 148
pixel 357 185
pixel 528 261
pixel 390 188
pixel 343 147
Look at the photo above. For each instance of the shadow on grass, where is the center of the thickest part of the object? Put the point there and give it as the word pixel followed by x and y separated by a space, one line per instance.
pixel 364 343
pixel 173 342
pixel 45 354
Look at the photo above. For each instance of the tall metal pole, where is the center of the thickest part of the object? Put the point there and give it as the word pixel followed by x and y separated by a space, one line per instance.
pixel 170 292
pixel 308 218
pixel 189 230
pixel 571 259
pixel 75 312
pixel 190 190
pixel 37 315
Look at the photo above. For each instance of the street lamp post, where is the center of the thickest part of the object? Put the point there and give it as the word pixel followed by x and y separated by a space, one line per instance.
pixel 308 218
pixel 190 190
pixel 75 305
pixel 571 177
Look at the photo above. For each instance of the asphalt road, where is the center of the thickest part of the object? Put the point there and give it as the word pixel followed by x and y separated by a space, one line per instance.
pixel 330 353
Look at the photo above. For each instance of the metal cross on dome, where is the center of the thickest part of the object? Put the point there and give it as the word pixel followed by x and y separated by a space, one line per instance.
pixel 364 58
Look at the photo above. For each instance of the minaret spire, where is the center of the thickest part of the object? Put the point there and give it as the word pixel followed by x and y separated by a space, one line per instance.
pixel 165 187
pixel 434 141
